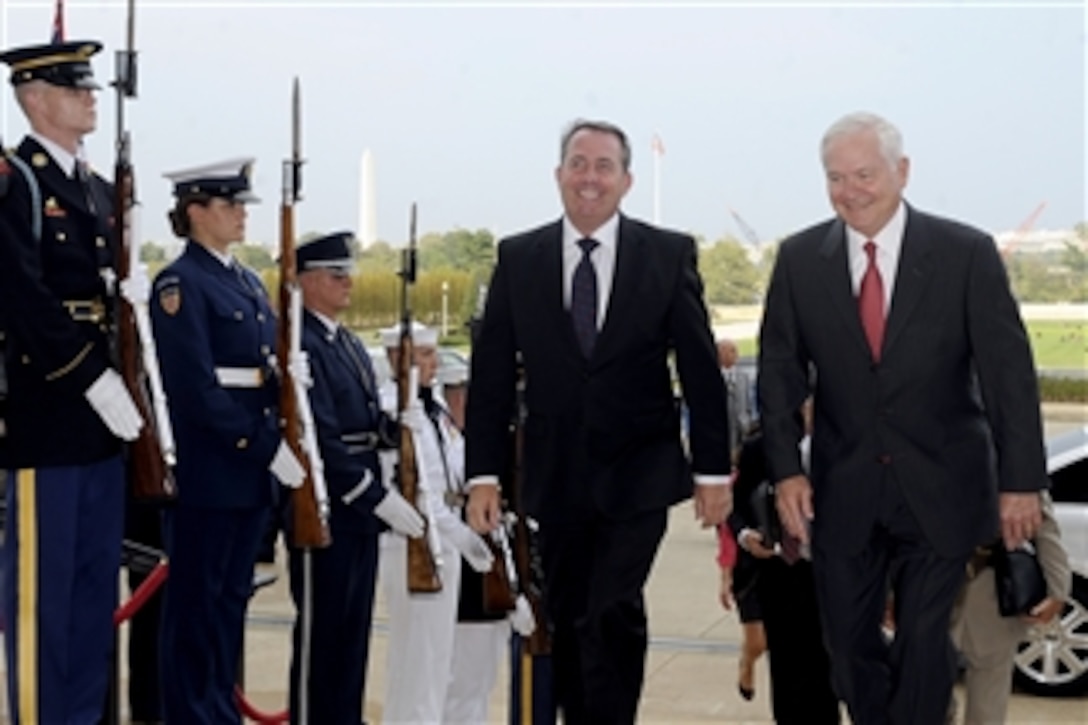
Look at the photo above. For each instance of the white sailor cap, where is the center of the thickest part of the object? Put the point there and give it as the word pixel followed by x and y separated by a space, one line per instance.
pixel 422 336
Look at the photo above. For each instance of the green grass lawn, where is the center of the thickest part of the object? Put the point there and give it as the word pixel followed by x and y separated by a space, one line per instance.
pixel 1061 344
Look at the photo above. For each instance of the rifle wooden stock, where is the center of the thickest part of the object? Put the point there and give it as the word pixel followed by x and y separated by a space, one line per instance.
pixel 309 529
pixel 148 473
pixel 498 597
pixel 526 554
pixel 422 568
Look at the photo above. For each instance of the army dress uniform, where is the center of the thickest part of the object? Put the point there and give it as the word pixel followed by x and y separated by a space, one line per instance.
pixel 350 428
pixel 216 334
pixel 65 486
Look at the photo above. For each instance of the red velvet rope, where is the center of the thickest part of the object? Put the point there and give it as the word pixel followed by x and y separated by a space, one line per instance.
pixel 251 712
pixel 143 592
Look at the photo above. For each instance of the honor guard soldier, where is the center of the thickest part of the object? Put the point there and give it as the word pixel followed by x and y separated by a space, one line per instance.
pixel 67 408
pixel 216 335
pixel 350 428
pixel 421 625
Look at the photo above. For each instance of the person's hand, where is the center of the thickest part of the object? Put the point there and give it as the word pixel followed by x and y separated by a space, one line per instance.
pixel 483 509
pixel 1044 611
pixel 753 544
pixel 472 546
pixel 400 515
pixel 713 502
pixel 413 417
pixel 286 467
pixel 522 619
pixel 136 287
pixel 298 365
pixel 109 398
pixel 725 588
pixel 793 499
pixel 1021 517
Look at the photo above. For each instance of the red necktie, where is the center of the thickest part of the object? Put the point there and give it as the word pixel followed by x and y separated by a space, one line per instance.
pixel 871 302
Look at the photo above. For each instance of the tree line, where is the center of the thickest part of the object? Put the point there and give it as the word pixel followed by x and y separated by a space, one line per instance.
pixel 455 266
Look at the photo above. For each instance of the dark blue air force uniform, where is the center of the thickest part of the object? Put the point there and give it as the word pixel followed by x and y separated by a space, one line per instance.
pixel 215 333
pixel 65 482
pixel 350 429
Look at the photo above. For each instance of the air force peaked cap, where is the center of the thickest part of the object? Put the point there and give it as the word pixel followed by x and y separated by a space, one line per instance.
pixel 59 64
pixel 228 179
pixel 332 251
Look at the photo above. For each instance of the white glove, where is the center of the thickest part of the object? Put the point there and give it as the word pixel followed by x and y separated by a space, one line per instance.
pixel 472 546
pixel 413 417
pixel 298 365
pixel 400 515
pixel 286 467
pixel 110 399
pixel 136 288
pixel 522 619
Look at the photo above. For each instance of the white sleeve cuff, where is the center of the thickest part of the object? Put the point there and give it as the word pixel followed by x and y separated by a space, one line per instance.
pixel 482 481
pixel 718 480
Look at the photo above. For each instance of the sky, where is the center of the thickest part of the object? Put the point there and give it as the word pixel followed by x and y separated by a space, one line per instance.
pixel 462 104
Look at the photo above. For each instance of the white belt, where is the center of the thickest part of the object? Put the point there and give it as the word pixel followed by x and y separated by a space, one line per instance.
pixel 240 377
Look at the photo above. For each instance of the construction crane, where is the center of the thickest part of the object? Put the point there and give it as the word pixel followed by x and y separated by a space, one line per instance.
pixel 747 231
pixel 1014 239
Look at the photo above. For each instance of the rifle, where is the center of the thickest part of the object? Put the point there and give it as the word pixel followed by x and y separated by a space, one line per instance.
pixel 423 552
pixel 526 550
pixel 151 456
pixel 310 501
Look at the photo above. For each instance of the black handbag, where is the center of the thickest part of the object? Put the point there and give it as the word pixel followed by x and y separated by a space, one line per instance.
pixel 1018 577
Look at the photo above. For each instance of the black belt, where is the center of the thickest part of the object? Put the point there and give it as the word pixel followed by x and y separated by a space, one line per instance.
pixel 361 442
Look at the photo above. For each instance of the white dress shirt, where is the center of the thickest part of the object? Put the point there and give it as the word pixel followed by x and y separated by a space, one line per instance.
pixel 61 156
pixel 603 258
pixel 889 241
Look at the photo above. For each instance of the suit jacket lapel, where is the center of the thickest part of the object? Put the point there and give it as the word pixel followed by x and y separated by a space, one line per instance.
pixel 836 277
pixel 911 278
pixel 548 259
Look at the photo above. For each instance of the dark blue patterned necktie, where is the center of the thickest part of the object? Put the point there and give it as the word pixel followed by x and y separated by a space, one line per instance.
pixel 583 298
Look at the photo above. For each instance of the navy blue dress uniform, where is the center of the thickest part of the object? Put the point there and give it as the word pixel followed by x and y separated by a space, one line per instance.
pixel 215 333
pixel 65 480
pixel 350 427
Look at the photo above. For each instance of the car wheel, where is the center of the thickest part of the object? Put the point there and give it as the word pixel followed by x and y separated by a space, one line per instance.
pixel 1053 658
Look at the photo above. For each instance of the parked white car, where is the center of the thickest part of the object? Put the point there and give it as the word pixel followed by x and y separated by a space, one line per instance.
pixel 1053 659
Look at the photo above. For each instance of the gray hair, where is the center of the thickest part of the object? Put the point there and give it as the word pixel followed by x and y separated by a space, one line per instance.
pixel 888 136
pixel 581 124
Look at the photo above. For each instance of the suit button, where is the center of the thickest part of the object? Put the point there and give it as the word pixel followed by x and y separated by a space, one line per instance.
pixel 884 459
pixel 62 237
pixel 99 242
pixel 238 315
pixel 26 359
pixel 260 317
pixel 267 412
pixel 242 444
pixel 266 350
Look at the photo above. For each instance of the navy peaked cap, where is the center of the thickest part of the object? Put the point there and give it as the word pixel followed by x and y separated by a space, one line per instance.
pixel 332 251
pixel 59 64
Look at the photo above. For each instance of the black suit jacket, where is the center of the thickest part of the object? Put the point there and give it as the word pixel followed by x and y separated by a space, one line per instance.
pixel 602 432
pixel 952 409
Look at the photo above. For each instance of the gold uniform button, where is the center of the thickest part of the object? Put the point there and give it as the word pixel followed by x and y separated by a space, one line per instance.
pixel 238 315
pixel 26 359
pixel 267 412
pixel 242 443
pixel 260 317
pixel 62 237
pixel 266 350
pixel 99 242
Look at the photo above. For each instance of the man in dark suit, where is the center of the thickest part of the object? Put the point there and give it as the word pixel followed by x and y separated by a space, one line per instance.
pixel 926 419
pixel 328 671
pixel 594 303
pixel 68 410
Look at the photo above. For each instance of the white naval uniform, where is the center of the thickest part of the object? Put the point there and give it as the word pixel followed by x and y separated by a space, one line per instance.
pixel 421 626
pixel 480 646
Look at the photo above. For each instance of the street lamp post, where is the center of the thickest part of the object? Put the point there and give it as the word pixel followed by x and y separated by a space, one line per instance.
pixel 445 308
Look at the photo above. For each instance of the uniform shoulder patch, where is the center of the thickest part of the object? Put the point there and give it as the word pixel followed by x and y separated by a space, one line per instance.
pixel 168 290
